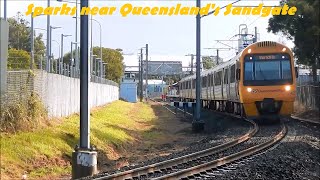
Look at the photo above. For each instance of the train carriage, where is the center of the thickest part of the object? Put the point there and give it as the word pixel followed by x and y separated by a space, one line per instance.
pixel 258 82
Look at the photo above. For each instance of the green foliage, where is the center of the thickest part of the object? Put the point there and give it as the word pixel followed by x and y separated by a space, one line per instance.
pixel 43 151
pixel 18 59
pixel 113 58
pixel 23 116
pixel 67 57
pixel 208 62
pixel 303 28
pixel 19 37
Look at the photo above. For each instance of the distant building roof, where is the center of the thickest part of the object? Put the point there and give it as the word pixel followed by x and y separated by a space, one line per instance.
pixel 154 81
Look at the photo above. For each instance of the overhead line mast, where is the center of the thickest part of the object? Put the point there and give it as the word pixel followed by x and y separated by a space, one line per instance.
pixel 197 124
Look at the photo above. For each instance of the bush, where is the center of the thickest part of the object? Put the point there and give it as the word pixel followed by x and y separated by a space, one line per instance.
pixel 23 116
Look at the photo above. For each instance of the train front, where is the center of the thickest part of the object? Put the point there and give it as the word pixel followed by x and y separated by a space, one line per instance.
pixel 267 86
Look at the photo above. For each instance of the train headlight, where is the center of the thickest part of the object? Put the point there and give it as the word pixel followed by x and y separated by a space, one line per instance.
pixel 284 49
pixel 249 51
pixel 249 89
pixel 287 88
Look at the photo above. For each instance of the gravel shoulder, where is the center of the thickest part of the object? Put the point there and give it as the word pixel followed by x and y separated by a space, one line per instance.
pixel 296 157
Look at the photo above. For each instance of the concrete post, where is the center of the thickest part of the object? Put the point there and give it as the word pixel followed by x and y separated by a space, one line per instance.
pixel 4 37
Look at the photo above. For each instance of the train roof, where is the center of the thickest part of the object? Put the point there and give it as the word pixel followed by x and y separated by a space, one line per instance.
pixel 216 68
pixel 230 61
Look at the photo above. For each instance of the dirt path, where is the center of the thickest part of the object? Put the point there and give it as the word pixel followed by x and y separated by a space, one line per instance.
pixel 167 135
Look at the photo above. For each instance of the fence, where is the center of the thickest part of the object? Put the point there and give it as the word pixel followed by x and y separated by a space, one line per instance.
pixel 60 94
pixel 98 69
pixel 308 92
pixel 309 96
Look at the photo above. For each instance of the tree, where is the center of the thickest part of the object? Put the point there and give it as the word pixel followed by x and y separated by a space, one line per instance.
pixel 208 62
pixel 303 28
pixel 18 59
pixel 67 57
pixel 19 37
pixel 113 58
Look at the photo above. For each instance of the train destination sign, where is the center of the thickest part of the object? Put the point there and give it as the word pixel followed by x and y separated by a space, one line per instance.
pixel 267 57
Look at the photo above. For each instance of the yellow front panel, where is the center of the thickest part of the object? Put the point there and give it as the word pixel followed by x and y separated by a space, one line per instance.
pixel 287 108
pixel 250 109
pixel 276 92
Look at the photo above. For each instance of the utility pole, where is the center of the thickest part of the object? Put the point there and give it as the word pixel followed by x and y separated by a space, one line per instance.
pixel 218 49
pixel 147 53
pixel 76 40
pixel 255 39
pixel 197 124
pixel 217 56
pixel 191 65
pixel 84 158
pixel 32 42
pixel 5 10
pixel 141 75
pixel 61 60
pixel 48 40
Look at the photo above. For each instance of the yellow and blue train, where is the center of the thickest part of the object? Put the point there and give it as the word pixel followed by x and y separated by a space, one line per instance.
pixel 260 81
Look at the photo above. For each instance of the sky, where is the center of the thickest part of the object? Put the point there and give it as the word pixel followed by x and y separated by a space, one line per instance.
pixel 172 37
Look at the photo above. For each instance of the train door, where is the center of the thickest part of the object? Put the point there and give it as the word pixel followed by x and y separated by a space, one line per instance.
pixel 210 86
pixel 232 83
pixel 212 79
pixel 228 83
pixel 207 86
pixel 237 69
pixel 218 85
pixel 224 83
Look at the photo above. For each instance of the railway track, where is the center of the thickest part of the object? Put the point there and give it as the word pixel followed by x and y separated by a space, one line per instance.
pixel 202 164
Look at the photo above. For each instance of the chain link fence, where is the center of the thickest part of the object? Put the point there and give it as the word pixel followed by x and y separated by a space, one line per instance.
pixel 97 72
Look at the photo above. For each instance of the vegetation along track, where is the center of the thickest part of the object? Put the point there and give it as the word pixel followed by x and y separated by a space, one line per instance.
pixel 176 165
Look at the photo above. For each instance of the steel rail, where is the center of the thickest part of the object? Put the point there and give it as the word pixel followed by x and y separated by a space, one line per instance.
pixel 171 110
pixel 171 162
pixel 227 159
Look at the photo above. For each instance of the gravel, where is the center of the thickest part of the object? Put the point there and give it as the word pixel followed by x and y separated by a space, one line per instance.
pixel 218 131
pixel 296 157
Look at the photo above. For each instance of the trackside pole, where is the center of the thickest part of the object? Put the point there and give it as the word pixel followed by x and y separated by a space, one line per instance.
pixel 84 158
pixel 197 124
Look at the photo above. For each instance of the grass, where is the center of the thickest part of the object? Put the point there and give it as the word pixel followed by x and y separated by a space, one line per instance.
pixel 46 152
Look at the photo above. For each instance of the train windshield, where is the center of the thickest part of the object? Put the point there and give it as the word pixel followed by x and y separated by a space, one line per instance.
pixel 261 69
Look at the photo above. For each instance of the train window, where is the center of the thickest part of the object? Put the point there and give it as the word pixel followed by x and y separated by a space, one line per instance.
pixel 248 71
pixel 193 84
pixel 232 74
pixel 225 80
pixel 211 81
pixel 217 78
pixel 267 70
pixel 204 81
pixel 286 70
